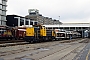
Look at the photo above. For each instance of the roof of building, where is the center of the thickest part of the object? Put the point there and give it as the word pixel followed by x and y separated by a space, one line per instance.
pixel 70 25
pixel 16 16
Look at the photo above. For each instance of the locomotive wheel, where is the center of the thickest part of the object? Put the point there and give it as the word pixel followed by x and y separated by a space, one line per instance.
pixel 7 39
pixel 31 41
pixel 39 41
pixel 16 38
pixel 46 39
pixel 10 38
pixel 56 39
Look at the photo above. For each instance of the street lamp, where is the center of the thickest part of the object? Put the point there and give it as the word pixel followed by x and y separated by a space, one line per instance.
pixel 59 22
pixel 59 17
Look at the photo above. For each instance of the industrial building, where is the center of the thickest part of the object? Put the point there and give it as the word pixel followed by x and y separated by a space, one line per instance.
pixel 32 19
pixel 36 16
pixel 3 12
pixel 15 20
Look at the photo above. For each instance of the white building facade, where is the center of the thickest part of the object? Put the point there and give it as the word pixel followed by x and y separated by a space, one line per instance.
pixel 3 12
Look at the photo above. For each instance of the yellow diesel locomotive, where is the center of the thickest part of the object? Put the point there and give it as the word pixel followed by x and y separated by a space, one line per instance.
pixel 38 33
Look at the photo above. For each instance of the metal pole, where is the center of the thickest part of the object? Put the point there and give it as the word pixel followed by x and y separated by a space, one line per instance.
pixel 29 21
pixel 24 22
pixel 82 34
pixel 89 31
pixel 18 20
pixel 59 22
pixel 89 26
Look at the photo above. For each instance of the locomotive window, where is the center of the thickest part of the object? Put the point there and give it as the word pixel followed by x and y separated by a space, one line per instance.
pixel 32 13
pixel 1 31
pixel 60 35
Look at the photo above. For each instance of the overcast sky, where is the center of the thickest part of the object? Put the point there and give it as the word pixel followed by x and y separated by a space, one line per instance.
pixel 68 10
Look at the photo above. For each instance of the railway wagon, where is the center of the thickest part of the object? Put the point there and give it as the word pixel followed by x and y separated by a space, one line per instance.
pixel 63 34
pixel 19 33
pixel 5 33
pixel 38 33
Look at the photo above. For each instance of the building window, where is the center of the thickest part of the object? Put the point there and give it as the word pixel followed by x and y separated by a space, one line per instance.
pixel 35 23
pixel 4 2
pixel 21 22
pixel 32 13
pixel 0 1
pixel 0 17
pixel 4 7
pixel 27 22
pixel 0 12
pixel 3 12
pixel 3 18
pixel 0 6
pixel 31 23
pixel 3 23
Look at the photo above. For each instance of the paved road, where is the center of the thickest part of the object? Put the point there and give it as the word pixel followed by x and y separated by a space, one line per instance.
pixel 84 54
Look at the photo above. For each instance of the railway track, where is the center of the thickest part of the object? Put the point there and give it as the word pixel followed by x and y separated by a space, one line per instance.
pixel 38 48
pixel 13 44
pixel 85 41
pixel 22 42
pixel 69 55
pixel 72 53
pixel 57 52
pixel 26 47
pixel 10 41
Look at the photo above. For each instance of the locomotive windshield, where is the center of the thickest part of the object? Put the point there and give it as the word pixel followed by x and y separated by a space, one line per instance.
pixel 60 35
pixel 2 30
